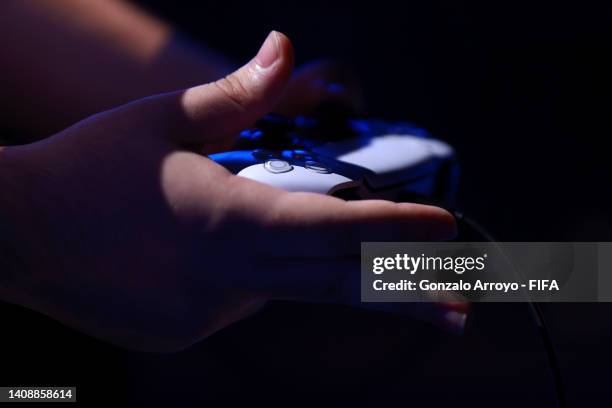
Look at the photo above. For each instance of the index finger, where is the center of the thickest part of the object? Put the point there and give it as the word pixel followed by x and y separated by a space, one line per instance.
pixel 315 225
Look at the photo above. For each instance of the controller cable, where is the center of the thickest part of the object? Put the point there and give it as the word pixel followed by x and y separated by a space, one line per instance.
pixel 471 226
pixel 277 124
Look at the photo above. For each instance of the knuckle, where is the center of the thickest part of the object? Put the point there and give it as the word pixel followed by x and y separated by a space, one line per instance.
pixel 233 88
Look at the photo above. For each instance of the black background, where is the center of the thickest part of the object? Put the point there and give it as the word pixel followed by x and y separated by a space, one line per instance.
pixel 522 91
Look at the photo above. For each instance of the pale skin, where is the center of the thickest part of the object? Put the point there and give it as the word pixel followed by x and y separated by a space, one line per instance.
pixel 121 228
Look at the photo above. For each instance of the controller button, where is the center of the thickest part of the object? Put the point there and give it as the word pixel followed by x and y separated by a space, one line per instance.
pixel 302 155
pixel 277 166
pixel 263 154
pixel 317 167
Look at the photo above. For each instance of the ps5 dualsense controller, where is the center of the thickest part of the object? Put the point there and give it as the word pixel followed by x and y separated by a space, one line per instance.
pixel 351 159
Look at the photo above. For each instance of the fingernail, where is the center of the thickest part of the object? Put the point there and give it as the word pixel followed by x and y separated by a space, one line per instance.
pixel 269 51
pixel 457 306
pixel 455 321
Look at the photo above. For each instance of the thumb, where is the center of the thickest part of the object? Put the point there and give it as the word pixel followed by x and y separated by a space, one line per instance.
pixel 213 113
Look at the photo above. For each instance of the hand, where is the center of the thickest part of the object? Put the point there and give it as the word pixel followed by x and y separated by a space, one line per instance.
pixel 125 232
pixel 321 82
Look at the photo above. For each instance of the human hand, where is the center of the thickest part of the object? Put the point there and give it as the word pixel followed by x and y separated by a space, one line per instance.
pixel 122 229
pixel 318 83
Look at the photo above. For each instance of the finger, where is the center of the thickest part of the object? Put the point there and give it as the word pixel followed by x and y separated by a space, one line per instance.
pixel 315 225
pixel 232 103
pixel 338 281
pixel 318 84
pixel 214 112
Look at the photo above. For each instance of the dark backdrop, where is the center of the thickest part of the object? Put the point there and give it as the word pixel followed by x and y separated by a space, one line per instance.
pixel 522 91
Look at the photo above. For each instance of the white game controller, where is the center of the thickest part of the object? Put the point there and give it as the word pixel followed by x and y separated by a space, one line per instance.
pixel 373 159
pixel 312 177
